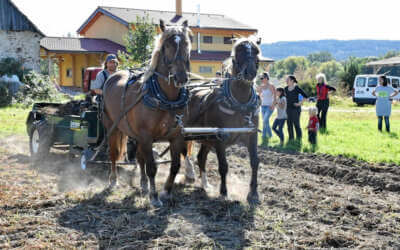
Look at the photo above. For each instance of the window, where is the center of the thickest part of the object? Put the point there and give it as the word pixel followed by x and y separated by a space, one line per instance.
pixel 227 40
pixel 205 69
pixel 207 39
pixel 218 39
pixel 395 83
pixel 372 81
pixel 69 72
pixel 360 82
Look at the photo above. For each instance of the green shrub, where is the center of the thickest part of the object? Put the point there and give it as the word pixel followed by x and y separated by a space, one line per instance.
pixel 5 95
pixel 308 86
pixel 37 87
pixel 11 66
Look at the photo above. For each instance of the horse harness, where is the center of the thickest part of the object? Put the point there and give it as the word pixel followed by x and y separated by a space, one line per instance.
pixel 228 104
pixel 153 98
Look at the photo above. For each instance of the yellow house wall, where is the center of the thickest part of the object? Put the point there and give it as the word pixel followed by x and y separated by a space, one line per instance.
pixel 106 27
pixel 195 67
pixel 65 64
pixel 82 61
pixel 217 45
pixel 265 66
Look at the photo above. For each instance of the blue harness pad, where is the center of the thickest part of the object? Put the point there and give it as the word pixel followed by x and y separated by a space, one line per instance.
pixel 228 101
pixel 155 98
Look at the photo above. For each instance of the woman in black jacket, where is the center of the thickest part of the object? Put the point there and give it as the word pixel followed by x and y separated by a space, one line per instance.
pixel 293 109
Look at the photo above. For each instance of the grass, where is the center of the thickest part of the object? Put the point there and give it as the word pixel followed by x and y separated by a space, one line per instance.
pixel 352 134
pixel 12 120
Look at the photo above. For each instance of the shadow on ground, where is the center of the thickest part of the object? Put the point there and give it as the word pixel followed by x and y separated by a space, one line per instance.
pixel 189 219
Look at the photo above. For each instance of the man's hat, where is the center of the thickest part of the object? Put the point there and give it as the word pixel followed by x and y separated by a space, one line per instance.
pixel 264 75
pixel 111 57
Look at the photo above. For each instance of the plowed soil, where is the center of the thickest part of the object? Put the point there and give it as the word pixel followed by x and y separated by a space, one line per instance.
pixel 306 201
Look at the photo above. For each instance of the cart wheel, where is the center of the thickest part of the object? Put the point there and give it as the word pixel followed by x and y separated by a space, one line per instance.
pixel 85 157
pixel 40 140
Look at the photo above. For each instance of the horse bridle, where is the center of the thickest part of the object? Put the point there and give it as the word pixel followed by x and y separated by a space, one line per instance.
pixel 249 57
pixel 177 57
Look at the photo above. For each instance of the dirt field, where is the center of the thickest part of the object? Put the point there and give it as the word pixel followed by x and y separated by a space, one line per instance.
pixel 307 201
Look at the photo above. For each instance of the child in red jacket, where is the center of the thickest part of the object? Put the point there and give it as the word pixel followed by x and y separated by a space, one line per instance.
pixel 313 125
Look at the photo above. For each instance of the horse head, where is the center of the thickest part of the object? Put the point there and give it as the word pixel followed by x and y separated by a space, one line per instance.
pixel 245 59
pixel 172 52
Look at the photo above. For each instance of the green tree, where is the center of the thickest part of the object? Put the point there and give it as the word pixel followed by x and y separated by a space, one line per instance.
pixel 138 43
pixel 331 69
pixel 390 54
pixel 320 57
pixel 350 70
pixel 289 66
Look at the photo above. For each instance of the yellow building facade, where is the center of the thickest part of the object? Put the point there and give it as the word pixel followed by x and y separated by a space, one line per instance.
pixel 74 55
pixel 212 33
pixel 104 31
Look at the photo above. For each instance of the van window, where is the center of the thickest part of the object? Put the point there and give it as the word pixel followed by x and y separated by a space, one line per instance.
pixel 360 82
pixel 372 81
pixel 395 83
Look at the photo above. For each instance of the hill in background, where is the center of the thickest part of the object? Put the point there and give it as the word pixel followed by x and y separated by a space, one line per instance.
pixel 339 49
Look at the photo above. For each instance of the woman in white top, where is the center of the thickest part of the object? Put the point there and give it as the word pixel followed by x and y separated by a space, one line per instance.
pixel 267 93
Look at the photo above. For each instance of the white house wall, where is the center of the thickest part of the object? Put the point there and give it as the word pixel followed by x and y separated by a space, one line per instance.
pixel 22 45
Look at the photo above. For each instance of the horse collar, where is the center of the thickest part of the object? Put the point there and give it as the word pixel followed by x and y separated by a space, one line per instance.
pixel 155 98
pixel 228 101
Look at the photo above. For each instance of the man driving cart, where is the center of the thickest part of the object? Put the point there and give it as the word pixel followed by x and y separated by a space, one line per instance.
pixel 110 67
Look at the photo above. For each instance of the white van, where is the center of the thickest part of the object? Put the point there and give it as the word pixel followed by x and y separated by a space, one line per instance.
pixel 365 84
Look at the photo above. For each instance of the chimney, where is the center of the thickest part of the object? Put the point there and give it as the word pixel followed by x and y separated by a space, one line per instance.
pixel 178 7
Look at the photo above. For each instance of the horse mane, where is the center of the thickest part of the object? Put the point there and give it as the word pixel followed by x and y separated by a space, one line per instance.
pixel 158 43
pixel 227 64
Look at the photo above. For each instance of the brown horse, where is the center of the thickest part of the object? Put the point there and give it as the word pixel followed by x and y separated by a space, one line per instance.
pixel 238 107
pixel 144 122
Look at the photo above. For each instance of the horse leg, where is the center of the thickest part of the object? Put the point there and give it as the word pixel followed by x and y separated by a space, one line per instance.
pixel 202 159
pixel 151 170
pixel 190 175
pixel 116 144
pixel 222 168
pixel 176 149
pixel 252 197
pixel 143 178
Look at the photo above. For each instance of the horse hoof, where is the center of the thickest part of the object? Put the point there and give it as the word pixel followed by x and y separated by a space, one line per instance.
pixel 113 183
pixel 165 196
pixel 156 203
pixel 189 180
pixel 144 191
pixel 253 199
pixel 224 197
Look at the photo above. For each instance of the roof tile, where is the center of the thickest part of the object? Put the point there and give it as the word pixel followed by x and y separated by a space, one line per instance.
pixel 206 20
pixel 69 44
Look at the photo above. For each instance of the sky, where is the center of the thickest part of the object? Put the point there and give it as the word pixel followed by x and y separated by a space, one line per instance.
pixel 276 20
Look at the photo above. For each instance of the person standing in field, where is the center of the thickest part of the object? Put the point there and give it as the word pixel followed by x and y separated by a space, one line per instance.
pixel 267 93
pixel 313 126
pixel 281 116
pixel 383 95
pixel 323 99
pixel 293 109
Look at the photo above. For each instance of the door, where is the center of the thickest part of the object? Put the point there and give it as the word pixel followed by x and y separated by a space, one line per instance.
pixel 396 86
pixel 372 82
pixel 360 87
